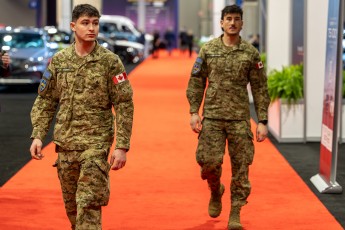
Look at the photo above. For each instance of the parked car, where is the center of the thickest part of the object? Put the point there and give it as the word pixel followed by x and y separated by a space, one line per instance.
pixel 119 27
pixel 62 38
pixel 129 52
pixel 30 51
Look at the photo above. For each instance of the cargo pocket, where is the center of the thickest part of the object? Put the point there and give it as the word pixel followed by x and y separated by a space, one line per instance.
pixel 250 147
pixel 101 185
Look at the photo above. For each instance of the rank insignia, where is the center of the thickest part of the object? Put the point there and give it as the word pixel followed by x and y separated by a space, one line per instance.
pixel 197 65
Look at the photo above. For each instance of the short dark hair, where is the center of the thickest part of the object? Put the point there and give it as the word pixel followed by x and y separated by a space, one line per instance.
pixel 84 10
pixel 232 9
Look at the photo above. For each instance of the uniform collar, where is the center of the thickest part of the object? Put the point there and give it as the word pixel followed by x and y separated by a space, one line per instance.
pixel 93 56
pixel 239 46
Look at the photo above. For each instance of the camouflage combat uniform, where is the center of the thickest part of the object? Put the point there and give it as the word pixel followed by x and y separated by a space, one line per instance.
pixel 84 89
pixel 226 71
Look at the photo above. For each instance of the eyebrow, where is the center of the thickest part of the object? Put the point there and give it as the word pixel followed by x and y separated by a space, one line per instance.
pixel 89 20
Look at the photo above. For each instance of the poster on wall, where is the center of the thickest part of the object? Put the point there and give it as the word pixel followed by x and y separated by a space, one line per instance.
pixel 325 179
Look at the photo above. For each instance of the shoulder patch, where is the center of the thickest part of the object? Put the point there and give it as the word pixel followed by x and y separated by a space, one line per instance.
pixel 47 75
pixel 42 86
pixel 120 78
pixel 259 65
pixel 197 65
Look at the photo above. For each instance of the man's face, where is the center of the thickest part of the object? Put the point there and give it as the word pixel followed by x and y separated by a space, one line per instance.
pixel 232 24
pixel 86 28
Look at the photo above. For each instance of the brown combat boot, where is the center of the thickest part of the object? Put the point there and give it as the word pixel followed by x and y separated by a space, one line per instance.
pixel 215 204
pixel 234 218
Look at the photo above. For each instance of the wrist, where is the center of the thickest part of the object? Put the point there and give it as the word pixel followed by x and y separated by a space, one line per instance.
pixel 264 122
pixel 123 149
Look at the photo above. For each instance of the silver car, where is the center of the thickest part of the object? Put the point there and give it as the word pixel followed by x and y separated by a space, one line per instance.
pixel 30 52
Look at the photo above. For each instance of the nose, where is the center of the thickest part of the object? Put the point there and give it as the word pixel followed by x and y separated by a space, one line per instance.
pixel 91 26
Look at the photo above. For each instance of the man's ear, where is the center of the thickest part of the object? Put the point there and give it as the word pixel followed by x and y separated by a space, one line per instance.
pixel 72 26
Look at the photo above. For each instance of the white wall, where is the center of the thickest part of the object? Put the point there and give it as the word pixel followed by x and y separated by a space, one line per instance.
pixel 251 19
pixel 314 65
pixel 278 35
pixel 65 8
pixel 216 15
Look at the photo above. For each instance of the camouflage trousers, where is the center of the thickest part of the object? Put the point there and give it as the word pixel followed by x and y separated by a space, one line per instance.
pixel 210 151
pixel 84 179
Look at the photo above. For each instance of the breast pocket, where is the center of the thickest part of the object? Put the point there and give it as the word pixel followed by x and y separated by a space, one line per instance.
pixel 64 82
pixel 240 73
pixel 96 90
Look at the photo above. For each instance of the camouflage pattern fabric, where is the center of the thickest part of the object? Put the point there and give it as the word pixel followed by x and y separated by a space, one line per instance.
pixel 228 70
pixel 84 179
pixel 85 89
pixel 210 152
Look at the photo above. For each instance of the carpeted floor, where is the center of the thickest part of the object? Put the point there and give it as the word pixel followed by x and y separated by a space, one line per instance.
pixel 160 187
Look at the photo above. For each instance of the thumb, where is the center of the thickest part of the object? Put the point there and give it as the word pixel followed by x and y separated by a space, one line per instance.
pixel 112 158
pixel 38 150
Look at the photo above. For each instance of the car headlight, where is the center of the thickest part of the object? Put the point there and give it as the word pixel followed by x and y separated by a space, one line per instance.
pixel 36 64
pixel 130 50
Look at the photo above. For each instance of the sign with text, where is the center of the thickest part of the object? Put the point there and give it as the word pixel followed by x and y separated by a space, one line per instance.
pixel 325 179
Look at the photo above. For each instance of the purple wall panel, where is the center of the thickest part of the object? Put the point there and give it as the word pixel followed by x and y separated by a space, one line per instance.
pixel 159 18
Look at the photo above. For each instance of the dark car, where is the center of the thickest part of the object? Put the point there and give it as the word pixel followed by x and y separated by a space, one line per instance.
pixel 30 51
pixel 129 52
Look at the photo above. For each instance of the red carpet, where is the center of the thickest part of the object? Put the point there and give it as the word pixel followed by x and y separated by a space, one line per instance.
pixel 160 187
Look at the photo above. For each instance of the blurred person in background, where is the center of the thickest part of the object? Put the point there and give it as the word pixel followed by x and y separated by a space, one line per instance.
pixel 82 84
pixel 190 42
pixel 169 38
pixel 255 41
pixel 183 38
pixel 224 67
pixel 4 64
pixel 156 43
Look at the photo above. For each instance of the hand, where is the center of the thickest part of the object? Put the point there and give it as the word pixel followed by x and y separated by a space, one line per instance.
pixel 261 132
pixel 35 149
pixel 118 159
pixel 195 122
pixel 5 60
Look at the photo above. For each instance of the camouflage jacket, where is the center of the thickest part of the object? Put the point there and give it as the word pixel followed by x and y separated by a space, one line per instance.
pixel 226 72
pixel 85 90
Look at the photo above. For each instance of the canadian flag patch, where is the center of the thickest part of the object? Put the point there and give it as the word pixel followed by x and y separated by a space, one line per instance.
pixel 120 78
pixel 259 65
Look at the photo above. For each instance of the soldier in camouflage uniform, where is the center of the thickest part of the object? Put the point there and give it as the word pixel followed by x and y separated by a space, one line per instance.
pixel 225 65
pixel 85 81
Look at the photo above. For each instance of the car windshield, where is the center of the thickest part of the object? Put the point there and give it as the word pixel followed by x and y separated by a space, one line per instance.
pixel 21 40
pixel 108 28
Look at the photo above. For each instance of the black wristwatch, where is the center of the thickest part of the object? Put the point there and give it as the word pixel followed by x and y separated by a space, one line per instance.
pixel 264 122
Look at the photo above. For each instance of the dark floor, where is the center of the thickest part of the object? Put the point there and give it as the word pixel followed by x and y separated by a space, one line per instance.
pixel 15 130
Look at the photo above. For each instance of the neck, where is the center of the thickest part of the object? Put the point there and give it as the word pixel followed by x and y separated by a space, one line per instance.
pixel 84 48
pixel 230 40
